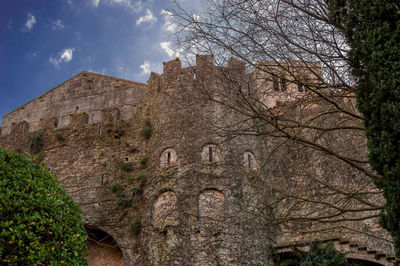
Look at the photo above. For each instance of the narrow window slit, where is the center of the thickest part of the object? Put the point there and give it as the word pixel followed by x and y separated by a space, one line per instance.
pixel 169 158
pixel 210 155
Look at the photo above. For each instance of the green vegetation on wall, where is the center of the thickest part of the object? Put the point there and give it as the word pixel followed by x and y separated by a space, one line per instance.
pixel 39 222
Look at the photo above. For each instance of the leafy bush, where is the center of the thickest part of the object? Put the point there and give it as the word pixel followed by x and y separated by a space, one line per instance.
pixel 136 227
pixel 137 191
pixel 127 167
pixel 142 180
pixel 35 142
pixel 133 150
pixel 118 190
pixel 147 132
pixel 124 203
pixel 39 222
pixel 319 254
pixel 143 161
pixel 60 137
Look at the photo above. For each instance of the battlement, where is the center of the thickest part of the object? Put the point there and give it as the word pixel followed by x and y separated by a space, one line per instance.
pixel 204 69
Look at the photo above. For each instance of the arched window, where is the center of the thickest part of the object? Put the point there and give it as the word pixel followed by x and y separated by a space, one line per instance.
pixel 211 153
pixel 168 157
pixel 249 161
pixel 211 205
pixel 165 210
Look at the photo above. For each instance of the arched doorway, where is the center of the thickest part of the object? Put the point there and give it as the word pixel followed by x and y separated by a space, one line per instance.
pixel 102 248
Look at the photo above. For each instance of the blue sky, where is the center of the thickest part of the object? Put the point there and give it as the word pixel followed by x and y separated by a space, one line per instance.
pixel 45 42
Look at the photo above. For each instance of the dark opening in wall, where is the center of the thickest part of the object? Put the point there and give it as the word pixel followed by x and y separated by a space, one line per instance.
pixel 275 83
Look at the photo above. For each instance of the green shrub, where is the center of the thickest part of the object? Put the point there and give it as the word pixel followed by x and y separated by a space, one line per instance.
pixel 127 167
pixel 147 132
pixel 118 190
pixel 39 222
pixel 60 137
pixel 35 142
pixel 124 203
pixel 133 150
pixel 142 180
pixel 143 161
pixel 319 254
pixel 137 191
pixel 136 227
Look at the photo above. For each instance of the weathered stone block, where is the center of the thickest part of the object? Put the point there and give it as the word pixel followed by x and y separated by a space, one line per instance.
pixel 110 116
pixel 48 122
pixel 172 67
pixel 78 120
pixel 21 128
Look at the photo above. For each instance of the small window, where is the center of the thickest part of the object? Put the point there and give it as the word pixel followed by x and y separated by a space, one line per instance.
pixel 249 161
pixel 275 83
pixel 283 84
pixel 300 87
pixel 211 153
pixel 168 157
pixel 102 180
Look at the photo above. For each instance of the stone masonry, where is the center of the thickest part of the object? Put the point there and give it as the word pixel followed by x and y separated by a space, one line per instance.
pixel 151 171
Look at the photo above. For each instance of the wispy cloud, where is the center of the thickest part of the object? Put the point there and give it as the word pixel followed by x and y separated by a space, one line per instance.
pixel 166 47
pixel 95 3
pixel 57 24
pixel 133 5
pixel 148 18
pixel 30 22
pixel 169 25
pixel 146 67
pixel 63 56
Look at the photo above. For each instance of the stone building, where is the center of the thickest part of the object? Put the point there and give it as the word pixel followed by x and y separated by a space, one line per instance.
pixel 161 180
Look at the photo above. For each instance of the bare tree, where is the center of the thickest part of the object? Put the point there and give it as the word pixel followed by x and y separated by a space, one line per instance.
pixel 297 94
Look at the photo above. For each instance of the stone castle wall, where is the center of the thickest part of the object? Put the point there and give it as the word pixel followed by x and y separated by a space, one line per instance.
pixel 149 164
pixel 85 93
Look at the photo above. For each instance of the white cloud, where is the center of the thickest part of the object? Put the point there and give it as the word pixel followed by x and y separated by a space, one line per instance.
pixel 95 3
pixel 148 18
pixel 57 24
pixel 169 25
pixel 70 2
pixel 146 67
pixel 133 5
pixel 166 47
pixel 30 22
pixel 63 56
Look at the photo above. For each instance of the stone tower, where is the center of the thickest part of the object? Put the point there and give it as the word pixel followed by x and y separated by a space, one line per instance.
pixel 205 193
